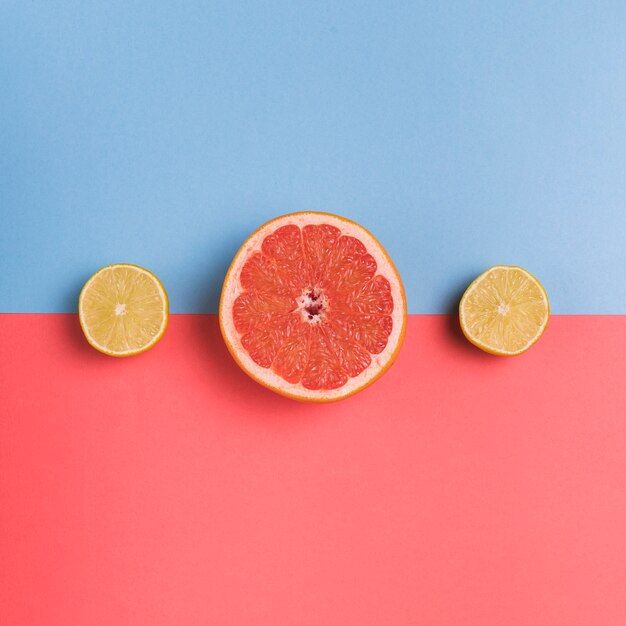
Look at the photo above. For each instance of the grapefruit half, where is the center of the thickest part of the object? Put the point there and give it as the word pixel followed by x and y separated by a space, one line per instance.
pixel 312 307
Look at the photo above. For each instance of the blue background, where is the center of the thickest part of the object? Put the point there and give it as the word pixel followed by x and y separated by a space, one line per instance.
pixel 463 134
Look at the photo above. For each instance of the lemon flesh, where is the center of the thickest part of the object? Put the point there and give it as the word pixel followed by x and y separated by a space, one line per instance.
pixel 123 310
pixel 504 311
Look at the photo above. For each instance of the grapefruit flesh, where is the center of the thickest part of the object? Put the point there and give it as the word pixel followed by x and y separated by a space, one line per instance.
pixel 313 307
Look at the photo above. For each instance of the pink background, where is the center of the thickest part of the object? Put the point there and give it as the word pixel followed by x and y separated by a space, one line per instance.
pixel 169 489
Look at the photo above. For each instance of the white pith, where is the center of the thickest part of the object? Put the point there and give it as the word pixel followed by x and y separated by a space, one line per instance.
pixel 305 301
pixel 233 288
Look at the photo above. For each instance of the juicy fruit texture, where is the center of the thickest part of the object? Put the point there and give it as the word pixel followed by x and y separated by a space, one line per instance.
pixel 313 318
pixel 504 311
pixel 123 310
pixel 308 304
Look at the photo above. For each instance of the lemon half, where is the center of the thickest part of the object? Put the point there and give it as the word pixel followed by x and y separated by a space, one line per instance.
pixel 504 311
pixel 123 310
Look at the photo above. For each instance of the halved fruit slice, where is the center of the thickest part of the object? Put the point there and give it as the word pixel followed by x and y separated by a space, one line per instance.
pixel 312 307
pixel 504 311
pixel 123 310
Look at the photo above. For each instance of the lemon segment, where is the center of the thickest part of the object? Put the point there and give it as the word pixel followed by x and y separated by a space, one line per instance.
pixel 504 311
pixel 123 310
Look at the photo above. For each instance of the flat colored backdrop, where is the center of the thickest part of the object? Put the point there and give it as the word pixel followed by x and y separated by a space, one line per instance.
pixel 462 133
pixel 171 490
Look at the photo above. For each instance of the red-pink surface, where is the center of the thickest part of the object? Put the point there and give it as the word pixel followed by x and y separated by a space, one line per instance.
pixel 168 489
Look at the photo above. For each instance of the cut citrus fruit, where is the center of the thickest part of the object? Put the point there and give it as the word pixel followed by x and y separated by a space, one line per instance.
pixel 312 307
pixel 123 310
pixel 504 311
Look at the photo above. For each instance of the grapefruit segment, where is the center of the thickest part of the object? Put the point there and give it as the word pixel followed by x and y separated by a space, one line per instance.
pixel 318 241
pixel 371 298
pixel 369 331
pixel 284 244
pixel 259 275
pixel 313 307
pixel 352 267
pixel 265 340
pixel 353 358
pixel 252 309
pixel 293 356
pixel 323 370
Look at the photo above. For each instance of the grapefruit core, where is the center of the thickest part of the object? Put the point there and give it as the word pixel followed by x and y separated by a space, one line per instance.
pixel 312 307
